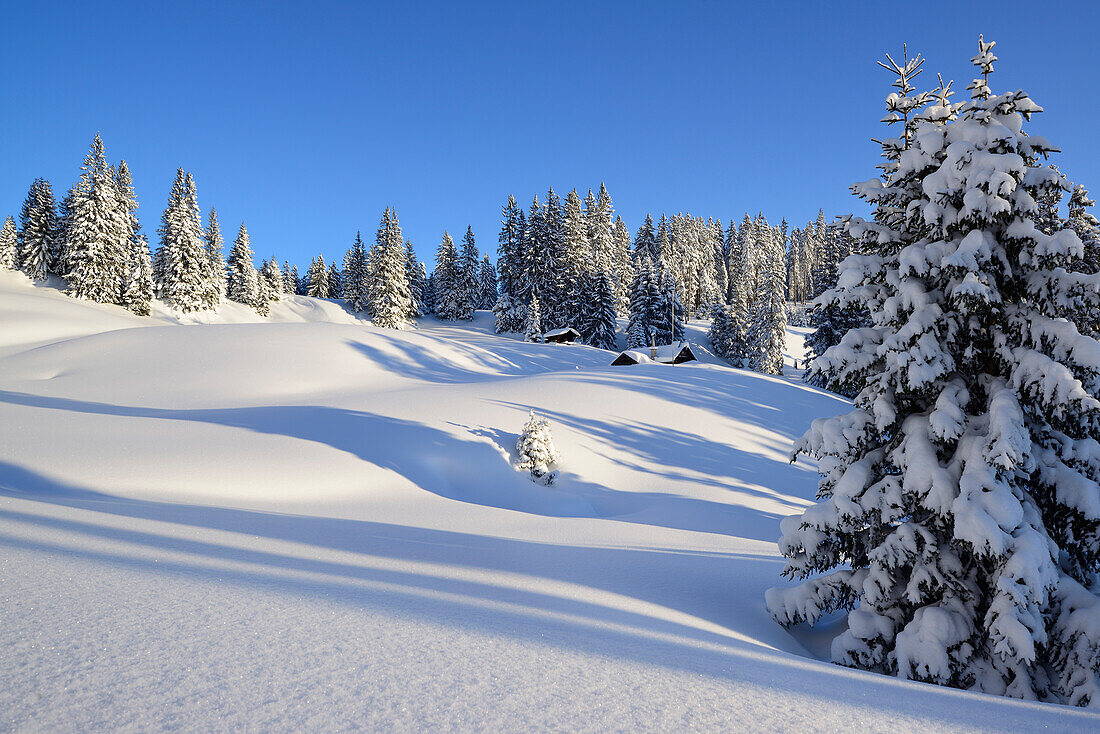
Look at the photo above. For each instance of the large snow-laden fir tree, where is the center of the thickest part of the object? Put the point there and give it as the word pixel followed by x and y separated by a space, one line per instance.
pixel 959 500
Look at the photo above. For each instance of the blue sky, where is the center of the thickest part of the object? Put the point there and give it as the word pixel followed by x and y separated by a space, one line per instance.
pixel 306 120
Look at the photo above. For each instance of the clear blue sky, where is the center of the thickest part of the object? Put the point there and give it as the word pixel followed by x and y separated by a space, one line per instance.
pixel 305 120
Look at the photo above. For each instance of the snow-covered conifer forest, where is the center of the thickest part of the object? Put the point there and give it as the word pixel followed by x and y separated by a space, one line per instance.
pixel 402 486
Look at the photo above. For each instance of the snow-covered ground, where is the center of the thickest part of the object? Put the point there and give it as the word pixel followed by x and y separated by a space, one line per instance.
pixel 308 523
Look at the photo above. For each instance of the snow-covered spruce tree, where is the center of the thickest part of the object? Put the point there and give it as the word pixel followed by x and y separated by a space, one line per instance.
pixel 355 267
pixel 446 282
pixel 185 263
pixel 727 334
pixel 637 336
pixel 138 293
pixel 317 279
pixel 333 282
pixel 624 267
pixel 600 329
pixel 38 232
pixel 537 454
pixel 645 242
pixel 390 302
pixel 511 316
pixel 9 242
pixel 97 233
pixel 576 265
pixel 488 284
pixel 532 251
pixel 767 329
pixel 242 284
pixel 290 278
pixel 1087 228
pixel 831 322
pixel 639 330
pixel 667 316
pixel 127 212
pixel 271 274
pixel 215 262
pixel 414 274
pixel 429 289
pixel 467 278
pixel 960 499
pixel 425 288
pixel 533 325
pixel 550 279
pixel 509 266
pixel 268 284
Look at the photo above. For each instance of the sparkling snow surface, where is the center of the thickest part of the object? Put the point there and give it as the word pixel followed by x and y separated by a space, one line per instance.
pixel 307 523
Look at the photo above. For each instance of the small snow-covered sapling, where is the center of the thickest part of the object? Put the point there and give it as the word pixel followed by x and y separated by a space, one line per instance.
pixel 536 450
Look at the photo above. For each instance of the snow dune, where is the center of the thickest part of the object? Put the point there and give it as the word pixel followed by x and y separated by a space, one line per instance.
pixel 308 523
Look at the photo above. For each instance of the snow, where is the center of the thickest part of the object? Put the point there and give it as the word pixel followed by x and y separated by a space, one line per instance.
pixel 561 332
pixel 220 521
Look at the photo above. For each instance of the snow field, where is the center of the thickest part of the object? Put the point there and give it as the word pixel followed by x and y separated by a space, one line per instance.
pixel 307 523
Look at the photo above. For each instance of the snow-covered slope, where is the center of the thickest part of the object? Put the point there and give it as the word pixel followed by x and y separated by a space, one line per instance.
pixel 308 523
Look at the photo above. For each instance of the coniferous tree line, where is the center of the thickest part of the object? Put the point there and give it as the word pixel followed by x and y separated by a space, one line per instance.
pixel 576 260
pixel 386 282
pixel 571 259
pixel 573 256
pixel 94 241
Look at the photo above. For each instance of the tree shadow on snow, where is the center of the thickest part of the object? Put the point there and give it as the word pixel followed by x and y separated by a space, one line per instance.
pixel 472 356
pixel 689 586
pixel 475 470
pixel 700 612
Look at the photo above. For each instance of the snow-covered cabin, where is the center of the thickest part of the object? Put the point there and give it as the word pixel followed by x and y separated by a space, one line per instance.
pixel 567 335
pixel 675 353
